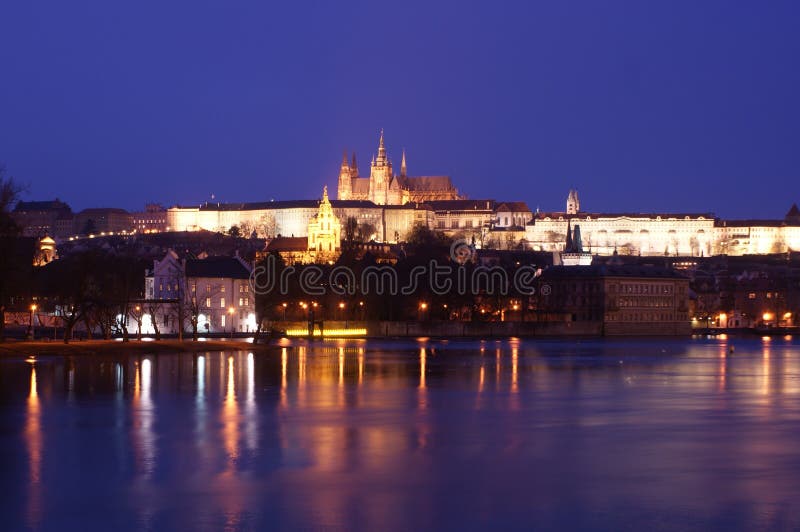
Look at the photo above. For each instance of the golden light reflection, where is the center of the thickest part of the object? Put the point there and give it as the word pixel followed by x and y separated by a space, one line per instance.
pixel 515 368
pixel 302 357
pixel 422 397
pixel 284 363
pixel 341 376
pixel 33 441
pixel 341 366
pixel 765 369
pixel 482 381
pixel 497 366
pixel 230 419
pixel 360 365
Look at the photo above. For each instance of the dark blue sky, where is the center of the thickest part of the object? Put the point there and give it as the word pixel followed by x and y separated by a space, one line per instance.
pixel 683 106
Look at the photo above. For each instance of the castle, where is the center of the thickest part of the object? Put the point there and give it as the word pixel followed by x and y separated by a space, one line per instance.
pixel 383 187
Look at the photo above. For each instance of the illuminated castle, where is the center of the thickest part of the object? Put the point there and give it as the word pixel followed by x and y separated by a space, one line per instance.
pixel 383 187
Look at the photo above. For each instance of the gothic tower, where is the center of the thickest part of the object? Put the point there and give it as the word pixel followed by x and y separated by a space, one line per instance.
pixel 403 169
pixel 380 175
pixel 345 189
pixel 573 203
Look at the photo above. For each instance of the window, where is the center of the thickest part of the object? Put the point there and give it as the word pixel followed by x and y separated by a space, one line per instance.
pixel 208 302
pixel 751 295
pixel 222 288
pixel 241 302
pixel 194 287
pixel 208 289
pixel 222 302
pixel 222 321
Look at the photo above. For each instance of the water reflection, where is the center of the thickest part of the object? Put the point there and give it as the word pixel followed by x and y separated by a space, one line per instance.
pixel 351 434
pixel 143 412
pixel 33 441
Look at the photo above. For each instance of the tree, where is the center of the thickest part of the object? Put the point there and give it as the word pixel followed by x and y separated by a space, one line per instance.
pixel 234 231
pixel 10 191
pixel 15 266
pixel 350 232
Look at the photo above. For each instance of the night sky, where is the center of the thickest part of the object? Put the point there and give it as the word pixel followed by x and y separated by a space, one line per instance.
pixel 671 106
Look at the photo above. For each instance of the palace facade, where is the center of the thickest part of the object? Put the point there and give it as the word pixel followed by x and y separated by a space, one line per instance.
pixel 674 234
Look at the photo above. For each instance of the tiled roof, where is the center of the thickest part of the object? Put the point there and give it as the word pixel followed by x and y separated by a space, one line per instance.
pixel 288 243
pixel 604 270
pixel 648 215
pixel 217 267
pixel 462 205
pixel 513 206
pixel 52 205
pixel 426 183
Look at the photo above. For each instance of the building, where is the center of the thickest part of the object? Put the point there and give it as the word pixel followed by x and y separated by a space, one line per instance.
pixel 622 299
pixel 573 254
pixel 46 252
pixel 41 218
pixel 323 243
pixel 213 290
pixel 385 223
pixel 671 234
pixel 152 220
pixel 384 187
pixel 102 220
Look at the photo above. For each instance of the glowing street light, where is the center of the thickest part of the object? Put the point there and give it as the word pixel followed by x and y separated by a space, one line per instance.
pixel 30 323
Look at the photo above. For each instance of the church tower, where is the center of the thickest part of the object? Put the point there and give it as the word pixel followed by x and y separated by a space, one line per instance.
pixel 573 204
pixel 380 175
pixel 403 169
pixel 345 188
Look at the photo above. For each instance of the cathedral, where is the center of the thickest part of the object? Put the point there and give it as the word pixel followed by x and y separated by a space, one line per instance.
pixel 384 187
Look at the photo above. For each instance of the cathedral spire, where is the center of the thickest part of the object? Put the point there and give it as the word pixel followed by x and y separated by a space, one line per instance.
pixel 325 194
pixel 345 163
pixel 403 164
pixel 381 159
pixel 354 165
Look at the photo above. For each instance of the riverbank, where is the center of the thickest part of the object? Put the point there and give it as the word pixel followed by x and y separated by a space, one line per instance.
pixel 116 347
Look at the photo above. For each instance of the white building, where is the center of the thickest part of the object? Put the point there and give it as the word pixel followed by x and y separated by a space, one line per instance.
pixel 215 290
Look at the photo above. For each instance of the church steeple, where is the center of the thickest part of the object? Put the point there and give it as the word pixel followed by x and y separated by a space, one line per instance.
pixel 345 183
pixel 381 160
pixel 403 164
pixel 354 166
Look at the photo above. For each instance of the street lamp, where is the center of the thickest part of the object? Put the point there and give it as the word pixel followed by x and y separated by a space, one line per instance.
pixel 230 313
pixel 139 322
pixel 30 323
pixel 423 306
pixel 284 310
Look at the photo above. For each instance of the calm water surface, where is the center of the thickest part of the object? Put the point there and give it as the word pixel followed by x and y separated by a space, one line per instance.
pixel 410 435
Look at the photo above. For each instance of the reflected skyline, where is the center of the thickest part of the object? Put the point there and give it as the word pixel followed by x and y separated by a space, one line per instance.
pixel 248 437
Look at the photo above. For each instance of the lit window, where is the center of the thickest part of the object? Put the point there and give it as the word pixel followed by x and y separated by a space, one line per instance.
pixel 222 321
pixel 208 302
pixel 222 288
pixel 222 302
